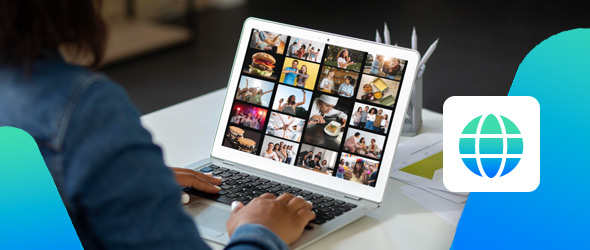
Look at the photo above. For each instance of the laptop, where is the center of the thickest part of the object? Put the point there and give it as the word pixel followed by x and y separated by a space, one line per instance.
pixel 309 113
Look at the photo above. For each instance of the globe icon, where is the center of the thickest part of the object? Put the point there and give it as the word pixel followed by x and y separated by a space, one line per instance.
pixel 491 146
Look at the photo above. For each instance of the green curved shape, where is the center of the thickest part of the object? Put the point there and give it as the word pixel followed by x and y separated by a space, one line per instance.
pixel 491 125
pixel 511 128
pixel 471 127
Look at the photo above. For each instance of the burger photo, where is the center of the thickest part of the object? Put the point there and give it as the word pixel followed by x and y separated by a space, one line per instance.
pixel 262 64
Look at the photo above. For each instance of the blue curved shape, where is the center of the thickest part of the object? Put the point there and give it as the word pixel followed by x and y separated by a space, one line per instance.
pixel 555 215
pixel 32 214
pixel 509 165
pixel 491 166
pixel 471 164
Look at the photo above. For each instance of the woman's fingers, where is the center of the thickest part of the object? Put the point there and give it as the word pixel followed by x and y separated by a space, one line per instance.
pixel 299 203
pixel 191 180
pixel 206 177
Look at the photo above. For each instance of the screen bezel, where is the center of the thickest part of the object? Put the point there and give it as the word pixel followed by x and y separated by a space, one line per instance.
pixel 374 194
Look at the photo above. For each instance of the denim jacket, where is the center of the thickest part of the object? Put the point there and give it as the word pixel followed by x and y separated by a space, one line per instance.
pixel 110 175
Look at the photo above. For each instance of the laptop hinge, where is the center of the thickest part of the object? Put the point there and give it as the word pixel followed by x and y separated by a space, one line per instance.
pixel 228 163
pixel 352 198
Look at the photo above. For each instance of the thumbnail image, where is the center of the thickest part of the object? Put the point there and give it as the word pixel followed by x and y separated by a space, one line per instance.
pixel 268 41
pixel 305 49
pixel 337 81
pixel 254 91
pixel 292 101
pixel 316 159
pixel 344 58
pixel 279 150
pixel 299 73
pixel 262 64
pixel 327 121
pixel 248 116
pixel 370 118
pixel 383 66
pixel 241 139
pixel 357 169
pixel 378 90
pixel 285 126
pixel 364 143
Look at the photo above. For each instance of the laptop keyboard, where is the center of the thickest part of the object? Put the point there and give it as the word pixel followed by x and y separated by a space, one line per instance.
pixel 243 187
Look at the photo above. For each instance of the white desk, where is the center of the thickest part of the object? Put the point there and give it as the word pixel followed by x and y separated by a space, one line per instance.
pixel 185 132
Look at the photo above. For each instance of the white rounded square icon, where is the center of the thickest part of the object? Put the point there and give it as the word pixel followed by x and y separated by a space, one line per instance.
pixel 491 144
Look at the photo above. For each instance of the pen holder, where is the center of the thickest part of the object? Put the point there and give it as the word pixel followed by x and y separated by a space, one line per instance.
pixel 413 116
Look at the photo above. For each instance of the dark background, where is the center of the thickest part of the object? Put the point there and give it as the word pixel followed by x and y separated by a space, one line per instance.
pixel 481 43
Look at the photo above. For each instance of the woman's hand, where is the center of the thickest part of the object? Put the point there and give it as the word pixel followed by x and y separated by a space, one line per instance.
pixel 199 181
pixel 286 215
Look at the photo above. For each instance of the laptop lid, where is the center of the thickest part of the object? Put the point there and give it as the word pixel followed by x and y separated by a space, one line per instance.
pixel 317 107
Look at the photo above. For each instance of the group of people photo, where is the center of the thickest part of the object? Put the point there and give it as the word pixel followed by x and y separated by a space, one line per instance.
pixel 388 67
pixel 254 91
pixel 285 126
pixel 299 73
pixel 292 101
pixel 268 41
pixel 279 150
pixel 364 143
pixel 316 159
pixel 371 118
pixel 305 49
pixel 357 169
pixel 344 58
pixel 248 116
pixel 337 81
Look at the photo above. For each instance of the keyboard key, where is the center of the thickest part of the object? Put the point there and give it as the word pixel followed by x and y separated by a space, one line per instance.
pixel 318 221
pixel 328 199
pixel 233 172
pixel 205 170
pixel 217 172
pixel 226 186
pixel 222 192
pixel 231 195
pixel 223 169
pixel 243 175
pixel 225 175
pixel 213 166
pixel 263 180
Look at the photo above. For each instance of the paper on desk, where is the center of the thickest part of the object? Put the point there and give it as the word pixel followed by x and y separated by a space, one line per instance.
pixel 417 148
pixel 448 210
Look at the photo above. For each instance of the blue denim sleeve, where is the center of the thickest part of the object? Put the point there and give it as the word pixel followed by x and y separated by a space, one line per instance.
pixel 119 191
pixel 253 237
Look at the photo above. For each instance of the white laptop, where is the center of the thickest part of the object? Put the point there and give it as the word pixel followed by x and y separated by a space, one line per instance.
pixel 309 113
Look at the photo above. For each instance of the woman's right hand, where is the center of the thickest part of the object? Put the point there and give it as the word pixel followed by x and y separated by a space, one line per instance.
pixel 286 215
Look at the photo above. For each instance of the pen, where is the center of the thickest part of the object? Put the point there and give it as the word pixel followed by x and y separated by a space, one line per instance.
pixel 428 53
pixel 414 39
pixel 378 37
pixel 386 34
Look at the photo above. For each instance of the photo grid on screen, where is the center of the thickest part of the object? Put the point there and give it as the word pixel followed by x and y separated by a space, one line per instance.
pixel 318 106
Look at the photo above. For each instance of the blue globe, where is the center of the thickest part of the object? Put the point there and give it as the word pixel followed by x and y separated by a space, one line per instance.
pixel 492 147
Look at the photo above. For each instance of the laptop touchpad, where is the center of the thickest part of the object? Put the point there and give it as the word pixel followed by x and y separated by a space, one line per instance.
pixel 210 219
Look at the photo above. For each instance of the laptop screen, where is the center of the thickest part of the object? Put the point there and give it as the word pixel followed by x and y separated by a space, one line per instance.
pixel 315 106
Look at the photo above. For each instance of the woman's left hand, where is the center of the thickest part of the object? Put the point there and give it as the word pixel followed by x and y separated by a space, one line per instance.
pixel 199 181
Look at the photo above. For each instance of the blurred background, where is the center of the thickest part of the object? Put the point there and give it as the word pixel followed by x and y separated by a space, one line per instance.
pixel 168 51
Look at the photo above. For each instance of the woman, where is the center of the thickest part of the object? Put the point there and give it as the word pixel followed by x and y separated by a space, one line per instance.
pixel 284 153
pixel 248 120
pixel 358 173
pixel 376 65
pixel 300 52
pixel 347 88
pixel 302 77
pixel 291 104
pixel 111 177
pixel 343 59
pixel 323 165
pixel 370 119
pixel 277 150
pixel 269 153
pixel 362 148
pixel 327 84
pixel 391 68
pixel 356 117
pixel 373 148
pixel 257 98
pixel 313 54
pixel 384 123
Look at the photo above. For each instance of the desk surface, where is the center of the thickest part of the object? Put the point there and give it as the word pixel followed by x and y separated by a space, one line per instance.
pixel 185 132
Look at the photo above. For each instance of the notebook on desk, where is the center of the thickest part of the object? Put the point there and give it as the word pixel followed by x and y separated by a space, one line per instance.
pixel 309 113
